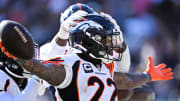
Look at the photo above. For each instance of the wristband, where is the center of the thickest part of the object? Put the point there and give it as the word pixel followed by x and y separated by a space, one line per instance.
pixel 147 76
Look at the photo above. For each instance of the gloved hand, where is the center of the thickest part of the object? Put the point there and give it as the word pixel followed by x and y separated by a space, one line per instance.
pixel 158 72
pixel 70 22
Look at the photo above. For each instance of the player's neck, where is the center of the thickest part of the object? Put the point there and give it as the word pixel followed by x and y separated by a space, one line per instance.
pixel 88 58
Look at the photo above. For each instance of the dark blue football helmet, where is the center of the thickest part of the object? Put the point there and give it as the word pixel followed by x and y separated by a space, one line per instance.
pixel 96 36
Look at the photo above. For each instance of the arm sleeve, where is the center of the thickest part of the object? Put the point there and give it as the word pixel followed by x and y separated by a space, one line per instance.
pixel 124 64
pixel 51 50
pixel 68 64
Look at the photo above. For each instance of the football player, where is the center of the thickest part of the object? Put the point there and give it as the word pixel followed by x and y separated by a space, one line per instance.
pixel 59 44
pixel 55 47
pixel 85 75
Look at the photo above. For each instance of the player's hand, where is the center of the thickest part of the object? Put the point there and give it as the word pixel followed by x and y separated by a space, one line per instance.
pixel 158 72
pixel 70 22
pixel 6 52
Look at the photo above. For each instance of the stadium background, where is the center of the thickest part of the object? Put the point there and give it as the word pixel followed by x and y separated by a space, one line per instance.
pixel 150 27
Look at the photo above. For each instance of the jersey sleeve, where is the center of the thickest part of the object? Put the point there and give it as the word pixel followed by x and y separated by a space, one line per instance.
pixel 124 64
pixel 51 50
pixel 68 62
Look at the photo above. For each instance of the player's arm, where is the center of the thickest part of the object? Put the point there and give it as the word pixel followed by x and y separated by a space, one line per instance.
pixel 124 94
pixel 52 73
pixel 129 80
pixel 153 73
pixel 62 36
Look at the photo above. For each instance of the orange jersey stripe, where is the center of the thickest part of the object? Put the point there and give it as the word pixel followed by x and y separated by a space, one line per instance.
pixel 110 66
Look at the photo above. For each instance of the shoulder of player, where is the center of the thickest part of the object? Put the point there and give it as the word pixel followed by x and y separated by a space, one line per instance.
pixel 69 59
pixel 63 59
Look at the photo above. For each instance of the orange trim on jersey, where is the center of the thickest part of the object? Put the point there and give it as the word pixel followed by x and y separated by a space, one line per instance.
pixel 110 66
pixel 7 84
pixel 55 97
pixel 56 58
pixel 66 52
pixel 54 62
pixel 77 80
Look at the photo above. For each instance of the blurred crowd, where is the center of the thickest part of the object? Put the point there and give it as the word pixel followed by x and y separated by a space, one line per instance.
pixel 150 28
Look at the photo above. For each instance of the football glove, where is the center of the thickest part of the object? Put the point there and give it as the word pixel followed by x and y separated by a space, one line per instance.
pixel 158 72
pixel 70 22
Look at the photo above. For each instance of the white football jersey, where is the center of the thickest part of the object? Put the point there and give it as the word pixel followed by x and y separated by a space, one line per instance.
pixel 11 92
pixel 50 50
pixel 8 85
pixel 75 86
pixel 85 82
